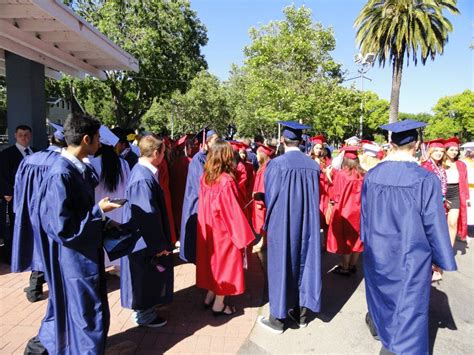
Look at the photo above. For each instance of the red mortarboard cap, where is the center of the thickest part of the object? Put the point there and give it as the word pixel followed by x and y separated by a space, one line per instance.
pixel 452 142
pixel 236 145
pixel 266 150
pixel 318 139
pixel 350 152
pixel 180 142
pixel 436 143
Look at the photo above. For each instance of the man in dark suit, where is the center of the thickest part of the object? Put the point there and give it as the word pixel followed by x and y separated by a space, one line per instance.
pixel 10 159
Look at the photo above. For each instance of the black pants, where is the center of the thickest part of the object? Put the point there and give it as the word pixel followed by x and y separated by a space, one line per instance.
pixel 35 289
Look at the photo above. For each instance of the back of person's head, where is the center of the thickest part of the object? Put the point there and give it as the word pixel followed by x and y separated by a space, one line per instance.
pixel 77 126
pixel 220 159
pixel 292 142
pixel 353 166
pixel 57 142
pixel 120 133
pixel 23 127
pixel 111 173
pixel 149 144
pixel 258 139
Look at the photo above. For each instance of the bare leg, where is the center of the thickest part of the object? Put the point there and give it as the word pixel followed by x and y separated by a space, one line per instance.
pixel 219 306
pixel 209 297
pixel 453 216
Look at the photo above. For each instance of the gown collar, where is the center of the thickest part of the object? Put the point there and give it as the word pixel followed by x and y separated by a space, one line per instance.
pixel 401 157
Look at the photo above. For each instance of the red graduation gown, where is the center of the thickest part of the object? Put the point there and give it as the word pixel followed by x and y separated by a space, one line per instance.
pixel 324 190
pixel 223 232
pixel 463 197
pixel 344 225
pixel 259 210
pixel 164 179
pixel 178 175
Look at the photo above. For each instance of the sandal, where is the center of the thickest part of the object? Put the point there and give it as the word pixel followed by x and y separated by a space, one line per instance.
pixel 341 271
pixel 353 268
pixel 208 305
pixel 223 312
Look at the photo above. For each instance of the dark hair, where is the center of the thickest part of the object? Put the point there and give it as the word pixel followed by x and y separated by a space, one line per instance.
pixel 292 142
pixel 111 173
pixel 79 125
pixel 120 133
pixel 23 127
pixel 258 138
pixel 220 159
pixel 57 142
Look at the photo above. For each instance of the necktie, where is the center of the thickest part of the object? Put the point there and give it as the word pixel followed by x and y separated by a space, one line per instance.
pixel 27 151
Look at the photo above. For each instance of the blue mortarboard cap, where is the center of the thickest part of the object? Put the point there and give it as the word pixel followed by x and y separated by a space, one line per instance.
pixel 403 132
pixel 206 131
pixel 59 135
pixel 107 136
pixel 292 130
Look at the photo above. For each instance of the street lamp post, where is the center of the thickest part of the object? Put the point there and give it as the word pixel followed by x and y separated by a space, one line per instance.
pixel 365 63
pixel 173 107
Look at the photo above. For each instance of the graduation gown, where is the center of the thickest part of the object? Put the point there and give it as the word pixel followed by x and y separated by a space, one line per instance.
pixel 178 175
pixel 77 318
pixel 463 197
pixel 223 233
pixel 292 224
pixel 26 249
pixel 404 230
pixel 325 187
pixel 259 209
pixel 344 225
pixel 164 179
pixel 141 285
pixel 187 251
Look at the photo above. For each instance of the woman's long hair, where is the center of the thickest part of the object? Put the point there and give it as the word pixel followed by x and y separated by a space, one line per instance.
pixel 111 173
pixel 353 165
pixel 220 160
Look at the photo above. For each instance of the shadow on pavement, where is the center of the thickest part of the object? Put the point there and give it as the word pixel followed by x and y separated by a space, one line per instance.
pixel 439 315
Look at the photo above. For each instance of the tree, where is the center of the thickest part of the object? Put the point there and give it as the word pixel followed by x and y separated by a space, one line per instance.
pixel 165 36
pixel 282 64
pixel 453 116
pixel 395 29
pixel 204 103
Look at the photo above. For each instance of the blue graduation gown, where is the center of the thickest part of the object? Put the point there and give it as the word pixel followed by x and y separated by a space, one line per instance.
pixel 77 318
pixel 404 230
pixel 292 223
pixel 26 254
pixel 141 285
pixel 188 233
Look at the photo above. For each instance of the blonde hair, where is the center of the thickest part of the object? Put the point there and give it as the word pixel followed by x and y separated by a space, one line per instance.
pixel 149 144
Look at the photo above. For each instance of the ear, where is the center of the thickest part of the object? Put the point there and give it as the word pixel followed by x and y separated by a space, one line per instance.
pixel 86 139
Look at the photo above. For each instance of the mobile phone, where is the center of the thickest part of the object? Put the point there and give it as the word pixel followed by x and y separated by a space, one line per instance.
pixel 119 201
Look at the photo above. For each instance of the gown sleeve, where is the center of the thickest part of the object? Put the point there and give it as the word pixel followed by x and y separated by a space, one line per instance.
pixel 233 217
pixel 435 225
pixel 61 220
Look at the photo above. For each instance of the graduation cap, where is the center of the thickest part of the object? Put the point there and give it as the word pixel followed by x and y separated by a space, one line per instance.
pixel 107 136
pixel 350 152
pixel 237 146
pixel 180 142
pixel 120 133
pixel 292 130
pixel 436 143
pixel 403 132
pixel 452 142
pixel 265 150
pixel 59 131
pixel 318 139
pixel 204 134
pixel 353 141
pixel 370 149
pixel 121 242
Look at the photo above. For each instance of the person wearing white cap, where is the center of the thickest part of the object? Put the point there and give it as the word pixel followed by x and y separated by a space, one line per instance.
pixel 370 151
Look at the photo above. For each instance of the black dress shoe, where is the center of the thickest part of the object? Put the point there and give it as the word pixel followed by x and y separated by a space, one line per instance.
pixel 371 326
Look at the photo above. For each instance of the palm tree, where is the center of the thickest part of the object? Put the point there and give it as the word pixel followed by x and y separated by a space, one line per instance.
pixel 393 29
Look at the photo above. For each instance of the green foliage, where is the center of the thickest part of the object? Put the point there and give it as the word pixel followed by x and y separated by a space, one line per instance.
pixel 204 103
pixel 165 36
pixel 453 116
pixel 395 29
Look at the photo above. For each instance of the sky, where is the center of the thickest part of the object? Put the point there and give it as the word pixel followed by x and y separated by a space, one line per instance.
pixel 228 22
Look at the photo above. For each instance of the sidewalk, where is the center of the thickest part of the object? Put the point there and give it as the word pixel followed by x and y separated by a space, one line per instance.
pixel 190 328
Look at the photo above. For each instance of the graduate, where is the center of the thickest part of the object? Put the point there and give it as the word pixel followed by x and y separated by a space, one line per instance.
pixel 187 251
pixel 223 231
pixel 404 231
pixel 164 177
pixel 147 275
pixel 26 249
pixel 457 192
pixel 344 224
pixel 71 225
pixel 294 254
pixel 178 174
pixel 259 210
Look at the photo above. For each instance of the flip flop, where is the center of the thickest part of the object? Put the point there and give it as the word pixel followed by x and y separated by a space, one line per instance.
pixel 223 313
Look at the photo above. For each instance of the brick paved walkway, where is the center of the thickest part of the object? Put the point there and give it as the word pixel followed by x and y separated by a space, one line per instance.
pixel 190 328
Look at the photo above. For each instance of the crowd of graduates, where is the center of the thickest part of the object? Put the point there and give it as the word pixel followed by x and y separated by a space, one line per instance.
pixel 102 198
